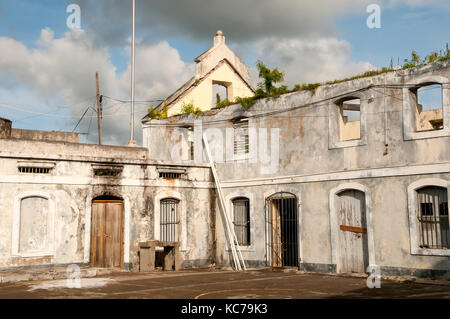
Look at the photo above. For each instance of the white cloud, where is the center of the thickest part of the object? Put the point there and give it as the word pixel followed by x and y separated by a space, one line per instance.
pixel 310 60
pixel 242 21
pixel 62 70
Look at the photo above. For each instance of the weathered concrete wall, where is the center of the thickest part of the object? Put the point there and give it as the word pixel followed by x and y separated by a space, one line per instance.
pixel 313 161
pixel 37 135
pixel 70 187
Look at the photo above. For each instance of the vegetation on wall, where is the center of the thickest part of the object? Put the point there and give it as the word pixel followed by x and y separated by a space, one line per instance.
pixel 269 78
pixel 190 109
pixel 157 114
pixel 221 103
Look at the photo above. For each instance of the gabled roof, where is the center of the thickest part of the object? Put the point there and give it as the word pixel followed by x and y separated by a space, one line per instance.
pixel 193 82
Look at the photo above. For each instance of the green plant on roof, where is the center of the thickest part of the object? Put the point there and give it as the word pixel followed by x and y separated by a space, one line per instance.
pixel 157 113
pixel 270 77
pixel 190 109
pixel 221 103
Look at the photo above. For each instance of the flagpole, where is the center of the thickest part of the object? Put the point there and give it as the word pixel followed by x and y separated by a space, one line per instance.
pixel 132 75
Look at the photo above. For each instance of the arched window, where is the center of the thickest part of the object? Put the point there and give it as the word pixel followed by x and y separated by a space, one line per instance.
pixel 169 220
pixel 432 214
pixel 347 121
pixel 33 224
pixel 428 114
pixel 34 216
pixel 241 220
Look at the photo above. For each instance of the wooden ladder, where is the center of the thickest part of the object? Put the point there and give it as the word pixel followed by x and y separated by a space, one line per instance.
pixel 239 263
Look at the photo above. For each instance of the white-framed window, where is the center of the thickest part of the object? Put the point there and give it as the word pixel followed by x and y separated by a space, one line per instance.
pixel 169 204
pixel 244 223
pixel 426 108
pixel 428 216
pixel 33 225
pixel 429 116
pixel 241 220
pixel 350 119
pixel 347 121
pixel 432 215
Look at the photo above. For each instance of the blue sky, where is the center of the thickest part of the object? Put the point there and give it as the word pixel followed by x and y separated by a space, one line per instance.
pixel 41 89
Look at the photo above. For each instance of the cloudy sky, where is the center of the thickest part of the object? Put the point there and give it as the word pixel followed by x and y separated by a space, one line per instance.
pixel 47 71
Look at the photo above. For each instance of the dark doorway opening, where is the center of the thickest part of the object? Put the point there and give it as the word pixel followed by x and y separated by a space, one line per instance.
pixel 283 230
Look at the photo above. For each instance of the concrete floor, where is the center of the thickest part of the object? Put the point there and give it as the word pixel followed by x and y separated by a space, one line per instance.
pixel 253 284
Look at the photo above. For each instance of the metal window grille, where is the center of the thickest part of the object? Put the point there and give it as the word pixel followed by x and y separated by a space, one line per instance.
pixel 282 225
pixel 241 139
pixel 433 217
pixel 169 175
pixel 107 172
pixel 169 220
pixel 34 170
pixel 241 220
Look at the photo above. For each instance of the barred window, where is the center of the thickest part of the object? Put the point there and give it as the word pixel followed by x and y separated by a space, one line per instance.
pixel 241 220
pixel 169 220
pixel 433 217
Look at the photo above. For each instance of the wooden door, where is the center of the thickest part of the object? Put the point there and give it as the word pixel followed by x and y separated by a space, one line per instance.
pixel 277 255
pixel 106 239
pixel 353 247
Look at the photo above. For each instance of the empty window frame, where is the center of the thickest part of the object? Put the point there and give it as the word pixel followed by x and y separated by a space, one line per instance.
pixel 219 93
pixel 432 214
pixel 241 220
pixel 169 220
pixel 241 137
pixel 428 107
pixel 349 119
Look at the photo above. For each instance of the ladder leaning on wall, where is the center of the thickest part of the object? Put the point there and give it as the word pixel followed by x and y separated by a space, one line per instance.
pixel 239 263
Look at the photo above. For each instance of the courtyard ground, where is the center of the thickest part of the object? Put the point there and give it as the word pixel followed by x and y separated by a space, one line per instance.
pixel 201 284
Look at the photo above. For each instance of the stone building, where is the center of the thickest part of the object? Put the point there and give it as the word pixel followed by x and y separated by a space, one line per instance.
pixel 65 203
pixel 335 179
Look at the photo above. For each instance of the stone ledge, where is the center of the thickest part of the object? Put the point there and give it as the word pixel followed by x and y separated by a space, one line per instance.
pixel 52 274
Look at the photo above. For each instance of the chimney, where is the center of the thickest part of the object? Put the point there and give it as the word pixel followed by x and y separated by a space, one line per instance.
pixel 5 128
pixel 219 38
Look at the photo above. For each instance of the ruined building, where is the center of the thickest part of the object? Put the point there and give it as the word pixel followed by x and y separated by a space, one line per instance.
pixel 334 179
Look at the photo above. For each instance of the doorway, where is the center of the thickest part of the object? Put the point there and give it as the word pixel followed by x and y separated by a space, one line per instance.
pixel 353 243
pixel 107 233
pixel 282 220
